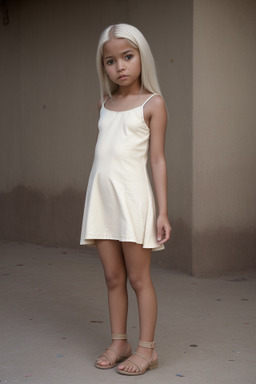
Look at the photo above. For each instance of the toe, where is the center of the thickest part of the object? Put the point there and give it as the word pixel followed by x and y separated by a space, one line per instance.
pixel 102 361
pixel 130 368
pixel 123 367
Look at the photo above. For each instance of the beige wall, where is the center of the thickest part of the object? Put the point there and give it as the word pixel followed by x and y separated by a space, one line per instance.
pixel 224 135
pixel 10 135
pixel 48 122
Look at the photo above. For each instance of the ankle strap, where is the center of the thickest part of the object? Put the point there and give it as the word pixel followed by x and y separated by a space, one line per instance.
pixel 117 336
pixel 147 344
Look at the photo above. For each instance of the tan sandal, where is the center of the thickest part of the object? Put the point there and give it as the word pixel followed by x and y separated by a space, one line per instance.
pixel 150 364
pixel 112 356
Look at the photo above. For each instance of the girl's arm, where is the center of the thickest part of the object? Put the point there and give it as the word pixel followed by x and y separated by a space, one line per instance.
pixel 157 124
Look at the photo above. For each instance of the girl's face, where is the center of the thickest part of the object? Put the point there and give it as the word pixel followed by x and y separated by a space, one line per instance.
pixel 122 62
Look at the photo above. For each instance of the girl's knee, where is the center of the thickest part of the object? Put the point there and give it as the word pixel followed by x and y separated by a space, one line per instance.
pixel 139 282
pixel 115 280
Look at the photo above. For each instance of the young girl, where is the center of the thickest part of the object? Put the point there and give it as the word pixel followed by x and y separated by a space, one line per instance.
pixel 119 216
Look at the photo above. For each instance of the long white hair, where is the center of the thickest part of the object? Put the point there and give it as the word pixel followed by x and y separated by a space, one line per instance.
pixel 148 70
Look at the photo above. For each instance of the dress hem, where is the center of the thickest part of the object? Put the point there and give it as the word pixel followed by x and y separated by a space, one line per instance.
pixel 91 242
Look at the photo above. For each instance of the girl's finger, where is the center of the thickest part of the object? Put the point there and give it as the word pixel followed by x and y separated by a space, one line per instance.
pixel 159 234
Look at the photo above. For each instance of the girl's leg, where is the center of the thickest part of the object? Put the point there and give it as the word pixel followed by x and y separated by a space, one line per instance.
pixel 112 259
pixel 138 261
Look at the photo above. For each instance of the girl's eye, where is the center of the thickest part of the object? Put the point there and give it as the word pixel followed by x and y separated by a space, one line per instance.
pixel 128 57
pixel 110 62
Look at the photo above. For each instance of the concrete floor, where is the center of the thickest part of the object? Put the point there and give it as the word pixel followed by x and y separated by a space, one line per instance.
pixel 54 322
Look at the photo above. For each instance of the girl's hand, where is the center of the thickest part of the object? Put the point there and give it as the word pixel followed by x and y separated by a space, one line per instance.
pixel 164 229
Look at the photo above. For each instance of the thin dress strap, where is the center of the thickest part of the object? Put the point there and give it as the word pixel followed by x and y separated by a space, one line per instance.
pixel 153 94
pixel 105 100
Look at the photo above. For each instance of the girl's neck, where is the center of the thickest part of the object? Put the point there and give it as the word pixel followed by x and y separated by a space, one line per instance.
pixel 123 92
pixel 134 89
pixel 126 100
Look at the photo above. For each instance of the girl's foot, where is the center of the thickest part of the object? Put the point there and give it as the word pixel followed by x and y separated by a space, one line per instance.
pixel 143 359
pixel 118 351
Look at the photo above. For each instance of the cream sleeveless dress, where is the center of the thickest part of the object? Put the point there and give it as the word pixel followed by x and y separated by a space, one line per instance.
pixel 119 202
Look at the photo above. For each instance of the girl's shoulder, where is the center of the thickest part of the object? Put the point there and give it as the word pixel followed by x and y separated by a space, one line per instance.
pixel 155 102
pixel 154 109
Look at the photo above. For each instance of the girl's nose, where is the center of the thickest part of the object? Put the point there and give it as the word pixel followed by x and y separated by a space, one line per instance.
pixel 120 66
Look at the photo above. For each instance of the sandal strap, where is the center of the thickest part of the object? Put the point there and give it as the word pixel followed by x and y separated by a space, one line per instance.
pixel 138 365
pixel 119 336
pixel 112 350
pixel 107 356
pixel 147 344
pixel 143 357
pixel 133 362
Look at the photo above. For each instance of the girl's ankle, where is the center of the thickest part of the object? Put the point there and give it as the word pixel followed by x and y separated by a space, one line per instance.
pixel 119 342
